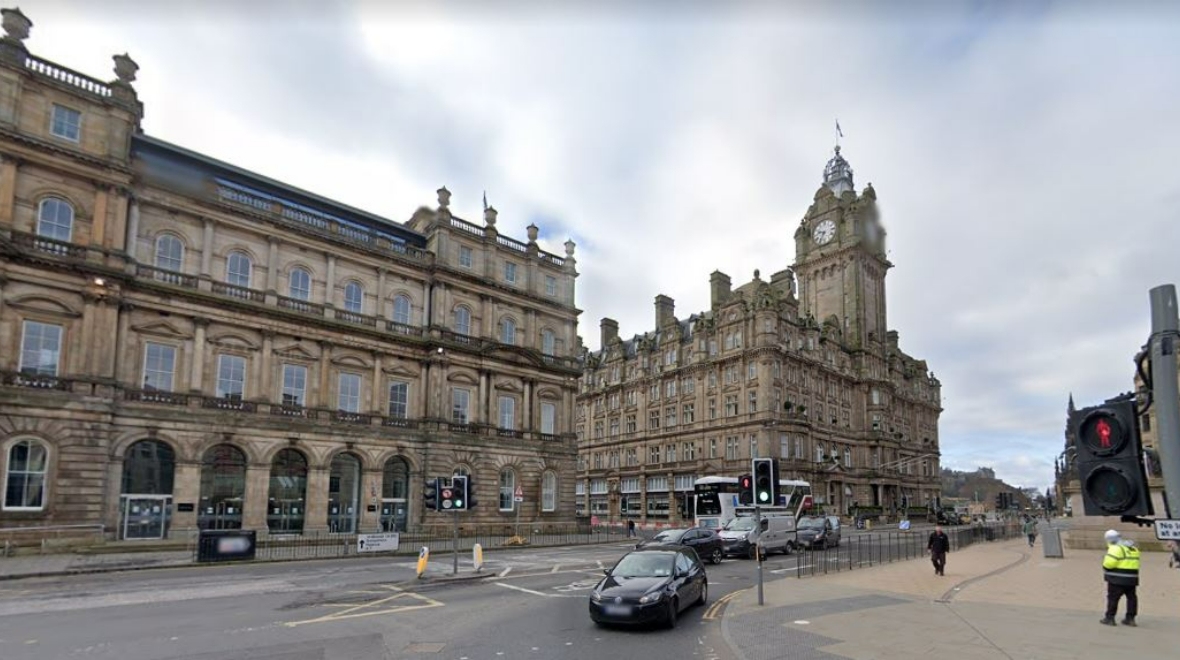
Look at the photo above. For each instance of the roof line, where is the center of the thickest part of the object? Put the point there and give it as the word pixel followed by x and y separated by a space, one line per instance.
pixel 234 169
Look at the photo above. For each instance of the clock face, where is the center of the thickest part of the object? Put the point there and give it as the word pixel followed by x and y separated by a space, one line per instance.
pixel 824 232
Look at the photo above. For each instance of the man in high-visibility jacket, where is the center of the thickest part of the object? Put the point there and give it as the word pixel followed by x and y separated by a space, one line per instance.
pixel 1120 567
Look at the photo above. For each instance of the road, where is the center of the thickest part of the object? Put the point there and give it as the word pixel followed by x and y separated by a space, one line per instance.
pixel 532 604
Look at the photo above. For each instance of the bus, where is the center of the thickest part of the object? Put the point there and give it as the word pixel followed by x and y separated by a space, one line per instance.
pixel 716 500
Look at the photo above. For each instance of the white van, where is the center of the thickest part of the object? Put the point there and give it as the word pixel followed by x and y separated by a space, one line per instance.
pixel 740 536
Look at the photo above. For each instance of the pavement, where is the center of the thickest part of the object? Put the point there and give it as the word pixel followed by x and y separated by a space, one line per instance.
pixel 1000 600
pixel 27 566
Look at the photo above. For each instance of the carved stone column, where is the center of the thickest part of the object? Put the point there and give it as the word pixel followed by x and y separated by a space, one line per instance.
pixel 272 257
pixel 379 312
pixel 8 166
pixel 370 513
pixel 207 249
pixel 317 500
pixel 266 368
pixel 197 365
pixel 186 488
pixel 98 226
pixel 132 239
pixel 330 284
pixel 376 401
pixel 257 497
pixel 323 397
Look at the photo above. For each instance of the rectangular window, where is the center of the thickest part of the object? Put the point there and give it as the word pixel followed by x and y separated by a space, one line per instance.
pixel 731 448
pixel 712 408
pixel 509 272
pixel 670 416
pixel 548 418
pixel 159 367
pixel 632 425
pixel 784 446
pixel 66 123
pixel 653 420
pixel 294 385
pixel 40 348
pixel 731 405
pixel 465 259
pixel 550 286
pixel 460 399
pixel 712 447
pixel 614 426
pixel 751 371
pixel 507 412
pixel 670 388
pixel 348 396
pixel 687 416
pixel 753 447
pixel 231 377
pixel 753 402
pixel 399 400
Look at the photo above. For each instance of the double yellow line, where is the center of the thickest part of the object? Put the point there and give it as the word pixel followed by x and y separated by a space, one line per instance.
pixel 714 611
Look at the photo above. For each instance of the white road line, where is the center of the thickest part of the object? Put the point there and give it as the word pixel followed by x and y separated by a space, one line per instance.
pixel 505 572
pixel 556 567
pixel 600 564
pixel 527 591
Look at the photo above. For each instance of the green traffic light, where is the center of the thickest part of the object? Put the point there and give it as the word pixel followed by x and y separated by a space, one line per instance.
pixel 763 496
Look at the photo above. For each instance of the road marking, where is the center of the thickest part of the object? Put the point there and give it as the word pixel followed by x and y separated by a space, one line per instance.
pixel 714 611
pixel 538 593
pixel 600 564
pixel 504 572
pixel 373 608
pixel 555 568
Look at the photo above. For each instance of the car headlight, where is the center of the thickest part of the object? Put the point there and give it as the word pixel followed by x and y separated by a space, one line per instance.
pixel 595 596
pixel 651 598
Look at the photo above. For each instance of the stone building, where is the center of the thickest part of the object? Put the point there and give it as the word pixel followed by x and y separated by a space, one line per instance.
pixel 185 344
pixel 800 367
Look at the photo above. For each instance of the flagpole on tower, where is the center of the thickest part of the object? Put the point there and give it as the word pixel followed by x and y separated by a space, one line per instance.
pixel 839 133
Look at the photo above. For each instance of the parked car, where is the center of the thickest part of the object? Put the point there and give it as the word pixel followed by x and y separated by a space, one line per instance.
pixel 652 584
pixel 741 536
pixel 705 542
pixel 818 532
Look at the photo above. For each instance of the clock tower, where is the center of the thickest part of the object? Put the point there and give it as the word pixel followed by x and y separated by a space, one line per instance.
pixel 840 259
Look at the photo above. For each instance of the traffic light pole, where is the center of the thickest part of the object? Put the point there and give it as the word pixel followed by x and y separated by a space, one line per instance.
pixel 1164 335
pixel 758 547
pixel 455 544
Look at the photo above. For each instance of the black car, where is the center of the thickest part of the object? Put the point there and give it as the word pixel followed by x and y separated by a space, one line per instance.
pixel 707 544
pixel 650 585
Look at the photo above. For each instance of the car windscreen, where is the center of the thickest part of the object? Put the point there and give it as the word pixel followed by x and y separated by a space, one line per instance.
pixel 811 523
pixel 669 536
pixel 645 564
pixel 740 524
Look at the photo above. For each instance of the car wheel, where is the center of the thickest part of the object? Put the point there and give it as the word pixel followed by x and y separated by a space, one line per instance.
pixel 673 610
pixel 704 593
pixel 716 556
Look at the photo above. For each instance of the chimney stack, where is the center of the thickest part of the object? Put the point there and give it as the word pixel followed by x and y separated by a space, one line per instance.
pixel 665 307
pixel 719 288
pixel 610 332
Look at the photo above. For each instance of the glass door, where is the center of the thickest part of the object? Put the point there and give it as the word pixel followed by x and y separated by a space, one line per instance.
pixel 394 515
pixel 146 516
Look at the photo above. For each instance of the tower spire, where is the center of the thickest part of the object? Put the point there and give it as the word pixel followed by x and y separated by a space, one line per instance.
pixel 838 174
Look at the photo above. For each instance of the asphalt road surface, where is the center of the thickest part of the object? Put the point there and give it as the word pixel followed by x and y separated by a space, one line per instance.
pixel 531 604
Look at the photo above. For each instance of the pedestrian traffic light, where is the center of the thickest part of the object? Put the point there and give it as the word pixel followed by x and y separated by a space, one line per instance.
pixel 746 489
pixel 446 495
pixel 459 497
pixel 1110 460
pixel 471 501
pixel 430 494
pixel 765 485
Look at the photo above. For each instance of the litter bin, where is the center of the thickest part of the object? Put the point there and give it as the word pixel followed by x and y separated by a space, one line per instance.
pixel 225 545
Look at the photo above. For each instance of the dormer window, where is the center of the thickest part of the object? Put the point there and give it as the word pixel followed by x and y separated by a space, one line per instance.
pixel 66 123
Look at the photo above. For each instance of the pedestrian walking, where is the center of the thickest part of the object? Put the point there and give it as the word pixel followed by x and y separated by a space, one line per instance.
pixel 939 544
pixel 1120 569
pixel 631 529
pixel 1174 561
pixel 1030 530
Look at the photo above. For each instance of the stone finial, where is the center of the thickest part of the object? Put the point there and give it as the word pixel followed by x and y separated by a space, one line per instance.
pixel 489 216
pixel 444 197
pixel 16 25
pixel 569 247
pixel 532 230
pixel 757 274
pixel 125 68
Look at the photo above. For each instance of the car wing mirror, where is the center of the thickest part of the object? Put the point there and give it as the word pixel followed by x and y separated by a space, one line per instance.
pixel 606 571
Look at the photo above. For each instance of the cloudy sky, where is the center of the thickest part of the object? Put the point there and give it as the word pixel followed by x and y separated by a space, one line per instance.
pixel 1022 154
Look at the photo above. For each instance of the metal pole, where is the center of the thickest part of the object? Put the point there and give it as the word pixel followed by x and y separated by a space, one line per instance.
pixel 758 548
pixel 1164 333
pixel 455 546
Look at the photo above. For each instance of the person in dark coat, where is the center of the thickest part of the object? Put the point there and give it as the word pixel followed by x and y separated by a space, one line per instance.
pixel 939 544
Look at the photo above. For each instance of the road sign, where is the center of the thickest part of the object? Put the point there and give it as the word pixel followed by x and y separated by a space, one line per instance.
pixel 387 542
pixel 518 496
pixel 1167 530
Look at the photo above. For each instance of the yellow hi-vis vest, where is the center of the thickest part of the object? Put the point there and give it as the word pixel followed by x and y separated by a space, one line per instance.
pixel 1121 564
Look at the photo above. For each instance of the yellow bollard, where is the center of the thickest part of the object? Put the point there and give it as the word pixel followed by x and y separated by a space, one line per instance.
pixel 477 557
pixel 423 558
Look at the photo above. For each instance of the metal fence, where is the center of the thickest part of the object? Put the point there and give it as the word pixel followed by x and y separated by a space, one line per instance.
pixel 439 538
pixel 862 550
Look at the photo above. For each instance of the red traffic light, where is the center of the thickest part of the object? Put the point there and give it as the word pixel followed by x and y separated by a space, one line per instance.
pixel 747 482
pixel 1102 433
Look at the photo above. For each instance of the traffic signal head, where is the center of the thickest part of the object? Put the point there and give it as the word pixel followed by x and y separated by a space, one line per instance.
pixel 459 501
pixel 746 489
pixel 1110 460
pixel 430 494
pixel 765 485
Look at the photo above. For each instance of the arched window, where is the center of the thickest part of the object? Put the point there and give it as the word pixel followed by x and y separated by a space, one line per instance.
pixel 508 331
pixel 149 468
pixel 394 494
pixel 462 320
pixel 237 269
pixel 169 253
pixel 55 219
pixel 24 477
pixel 354 298
pixel 548 342
pixel 344 490
pixel 223 488
pixel 288 488
pixel 401 310
pixel 299 284
pixel 549 492
pixel 507 488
